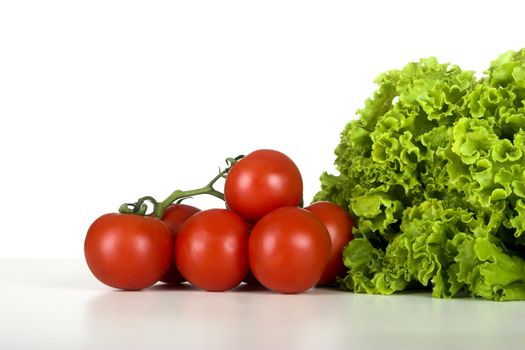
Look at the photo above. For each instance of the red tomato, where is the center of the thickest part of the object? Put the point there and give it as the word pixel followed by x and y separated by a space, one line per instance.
pixel 128 251
pixel 339 226
pixel 174 216
pixel 289 249
pixel 262 181
pixel 211 250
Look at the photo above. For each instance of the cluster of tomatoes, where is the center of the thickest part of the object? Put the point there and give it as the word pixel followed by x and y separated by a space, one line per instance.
pixel 263 236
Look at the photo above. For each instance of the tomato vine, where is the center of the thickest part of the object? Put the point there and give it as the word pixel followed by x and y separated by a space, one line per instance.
pixel 140 207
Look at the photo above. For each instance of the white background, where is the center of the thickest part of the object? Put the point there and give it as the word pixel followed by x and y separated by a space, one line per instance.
pixel 102 102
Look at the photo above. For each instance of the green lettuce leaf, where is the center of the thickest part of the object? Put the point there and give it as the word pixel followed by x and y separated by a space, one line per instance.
pixel 433 171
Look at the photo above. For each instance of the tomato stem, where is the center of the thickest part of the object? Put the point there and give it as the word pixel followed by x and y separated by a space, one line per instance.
pixel 141 208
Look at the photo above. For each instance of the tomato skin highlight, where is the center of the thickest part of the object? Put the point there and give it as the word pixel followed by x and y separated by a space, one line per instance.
pixel 261 182
pixel 211 250
pixel 128 251
pixel 339 225
pixel 288 250
pixel 175 216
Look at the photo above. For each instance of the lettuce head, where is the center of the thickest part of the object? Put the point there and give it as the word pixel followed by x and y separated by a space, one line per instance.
pixel 433 172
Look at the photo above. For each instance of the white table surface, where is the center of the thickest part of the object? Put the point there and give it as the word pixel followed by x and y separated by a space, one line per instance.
pixel 58 304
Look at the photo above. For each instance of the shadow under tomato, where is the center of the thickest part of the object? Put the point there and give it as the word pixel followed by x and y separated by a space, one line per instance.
pixel 249 287
pixel 172 287
pixel 186 286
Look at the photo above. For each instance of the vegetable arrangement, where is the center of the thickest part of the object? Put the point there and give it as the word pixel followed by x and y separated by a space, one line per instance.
pixel 264 235
pixel 434 173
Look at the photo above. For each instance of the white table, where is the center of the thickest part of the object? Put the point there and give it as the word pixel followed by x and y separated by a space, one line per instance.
pixel 58 304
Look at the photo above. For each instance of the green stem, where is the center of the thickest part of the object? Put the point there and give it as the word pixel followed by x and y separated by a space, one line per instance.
pixel 178 194
pixel 140 207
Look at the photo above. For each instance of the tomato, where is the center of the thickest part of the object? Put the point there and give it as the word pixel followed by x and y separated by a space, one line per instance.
pixel 260 182
pixel 289 249
pixel 128 251
pixel 174 216
pixel 339 226
pixel 211 250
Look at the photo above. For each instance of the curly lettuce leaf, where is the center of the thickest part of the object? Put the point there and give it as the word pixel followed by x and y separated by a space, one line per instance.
pixel 433 170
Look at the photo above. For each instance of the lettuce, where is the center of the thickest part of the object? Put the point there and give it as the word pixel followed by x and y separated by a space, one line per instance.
pixel 433 171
